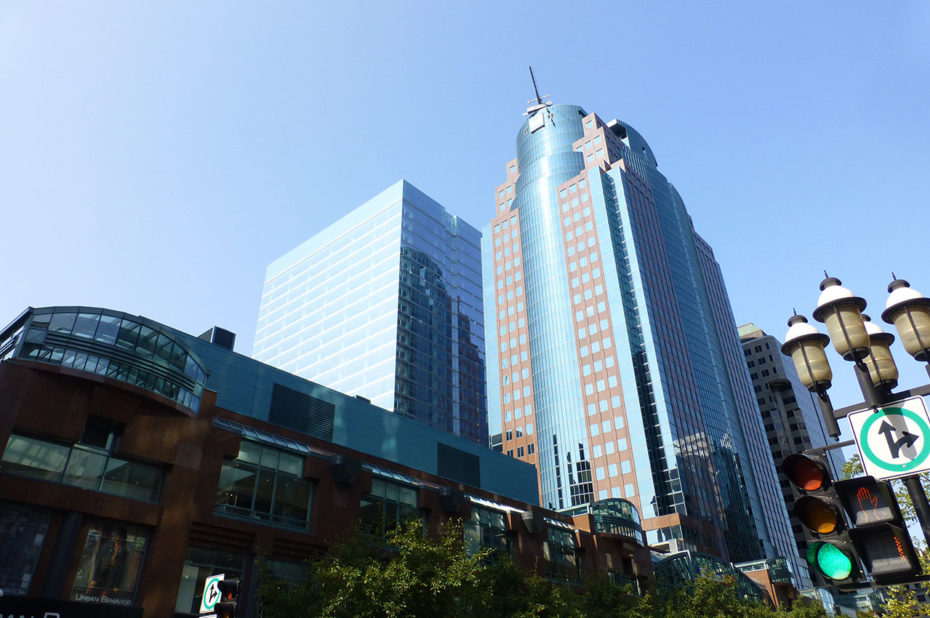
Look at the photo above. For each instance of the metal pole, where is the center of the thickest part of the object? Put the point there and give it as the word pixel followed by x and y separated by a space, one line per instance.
pixel 919 498
pixel 826 411
pixel 872 396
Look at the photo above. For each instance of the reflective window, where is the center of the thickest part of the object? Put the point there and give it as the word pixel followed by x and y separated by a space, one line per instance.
pixel 97 342
pixel 387 505
pixel 561 555
pixel 265 484
pixel 486 528
pixel 81 465
pixel 22 533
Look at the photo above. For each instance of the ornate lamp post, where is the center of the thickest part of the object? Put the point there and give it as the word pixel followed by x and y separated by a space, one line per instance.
pixel 857 339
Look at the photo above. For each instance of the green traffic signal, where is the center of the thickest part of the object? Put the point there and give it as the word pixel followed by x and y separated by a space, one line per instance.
pixel 830 560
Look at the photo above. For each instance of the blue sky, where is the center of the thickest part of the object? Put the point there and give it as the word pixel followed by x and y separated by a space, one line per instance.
pixel 156 157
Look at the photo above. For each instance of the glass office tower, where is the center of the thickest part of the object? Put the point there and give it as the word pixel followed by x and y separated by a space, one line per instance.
pixel 385 304
pixel 613 361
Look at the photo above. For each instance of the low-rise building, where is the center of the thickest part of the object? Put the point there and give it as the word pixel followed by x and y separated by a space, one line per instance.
pixel 137 460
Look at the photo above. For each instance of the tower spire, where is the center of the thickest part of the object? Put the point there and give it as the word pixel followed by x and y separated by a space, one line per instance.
pixel 533 77
pixel 540 102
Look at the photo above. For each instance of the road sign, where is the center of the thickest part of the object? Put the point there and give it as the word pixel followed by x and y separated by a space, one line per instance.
pixel 211 593
pixel 894 440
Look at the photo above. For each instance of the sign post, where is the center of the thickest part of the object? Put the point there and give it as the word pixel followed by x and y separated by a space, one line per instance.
pixel 893 440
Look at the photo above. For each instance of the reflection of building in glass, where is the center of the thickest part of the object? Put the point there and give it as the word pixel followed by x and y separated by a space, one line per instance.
pixel 792 423
pixel 613 360
pixel 22 533
pixel 116 495
pixel 386 304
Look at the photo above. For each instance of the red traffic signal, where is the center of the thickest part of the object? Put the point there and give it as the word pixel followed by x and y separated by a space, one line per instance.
pixel 808 474
pixel 229 596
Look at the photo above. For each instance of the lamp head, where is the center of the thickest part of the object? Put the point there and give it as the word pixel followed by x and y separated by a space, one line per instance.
pixel 806 346
pixel 841 311
pixel 909 311
pixel 879 362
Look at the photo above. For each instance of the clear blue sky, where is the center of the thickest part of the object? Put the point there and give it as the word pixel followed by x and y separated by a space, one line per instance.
pixel 156 157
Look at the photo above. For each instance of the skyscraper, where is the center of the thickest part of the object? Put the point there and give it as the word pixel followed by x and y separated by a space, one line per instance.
pixel 790 418
pixel 613 359
pixel 385 304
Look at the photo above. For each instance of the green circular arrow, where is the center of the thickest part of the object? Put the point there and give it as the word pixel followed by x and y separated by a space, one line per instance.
pixel 892 467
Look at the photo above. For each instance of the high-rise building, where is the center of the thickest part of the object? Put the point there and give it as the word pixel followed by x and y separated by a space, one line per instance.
pixel 613 357
pixel 385 304
pixel 791 421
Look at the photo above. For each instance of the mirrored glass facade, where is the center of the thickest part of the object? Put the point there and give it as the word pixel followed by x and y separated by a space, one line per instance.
pixel 386 304
pixel 613 360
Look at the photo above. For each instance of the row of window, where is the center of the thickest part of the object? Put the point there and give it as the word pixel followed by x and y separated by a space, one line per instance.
pixel 83 465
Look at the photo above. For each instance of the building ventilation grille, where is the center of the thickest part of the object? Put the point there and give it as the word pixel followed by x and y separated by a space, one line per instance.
pixel 458 465
pixel 301 412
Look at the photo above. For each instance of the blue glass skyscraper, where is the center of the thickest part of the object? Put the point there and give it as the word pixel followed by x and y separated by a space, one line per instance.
pixel 385 303
pixel 613 360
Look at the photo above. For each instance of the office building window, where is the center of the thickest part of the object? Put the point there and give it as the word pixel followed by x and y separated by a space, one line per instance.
pixel 387 505
pixel 486 528
pixel 265 484
pixel 89 466
pixel 561 555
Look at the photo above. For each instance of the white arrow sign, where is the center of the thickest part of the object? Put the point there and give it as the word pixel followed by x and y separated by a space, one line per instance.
pixel 211 593
pixel 894 440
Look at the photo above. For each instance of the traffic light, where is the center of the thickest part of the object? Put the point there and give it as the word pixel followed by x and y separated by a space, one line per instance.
pixel 879 533
pixel 229 597
pixel 832 557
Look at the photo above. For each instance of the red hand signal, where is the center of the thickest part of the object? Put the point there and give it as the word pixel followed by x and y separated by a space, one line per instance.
pixel 866 501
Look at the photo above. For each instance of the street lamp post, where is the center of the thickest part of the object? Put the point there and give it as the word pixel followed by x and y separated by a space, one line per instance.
pixel 863 342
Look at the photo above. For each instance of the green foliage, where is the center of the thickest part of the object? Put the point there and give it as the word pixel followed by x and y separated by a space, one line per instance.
pixel 852 467
pixel 422 576
pixel 712 597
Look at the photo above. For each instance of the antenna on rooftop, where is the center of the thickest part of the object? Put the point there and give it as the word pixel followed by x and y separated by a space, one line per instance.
pixel 540 102
pixel 533 77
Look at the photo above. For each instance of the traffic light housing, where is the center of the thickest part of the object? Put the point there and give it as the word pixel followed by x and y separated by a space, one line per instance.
pixel 832 557
pixel 879 533
pixel 229 598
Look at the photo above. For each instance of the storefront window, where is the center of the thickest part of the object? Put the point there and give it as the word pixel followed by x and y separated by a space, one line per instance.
pixel 110 565
pixel 200 564
pixel 22 533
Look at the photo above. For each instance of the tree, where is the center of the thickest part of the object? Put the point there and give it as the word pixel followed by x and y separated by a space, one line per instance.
pixel 422 576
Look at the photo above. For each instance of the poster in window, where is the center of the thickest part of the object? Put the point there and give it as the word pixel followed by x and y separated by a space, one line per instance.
pixel 110 564
pixel 22 532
